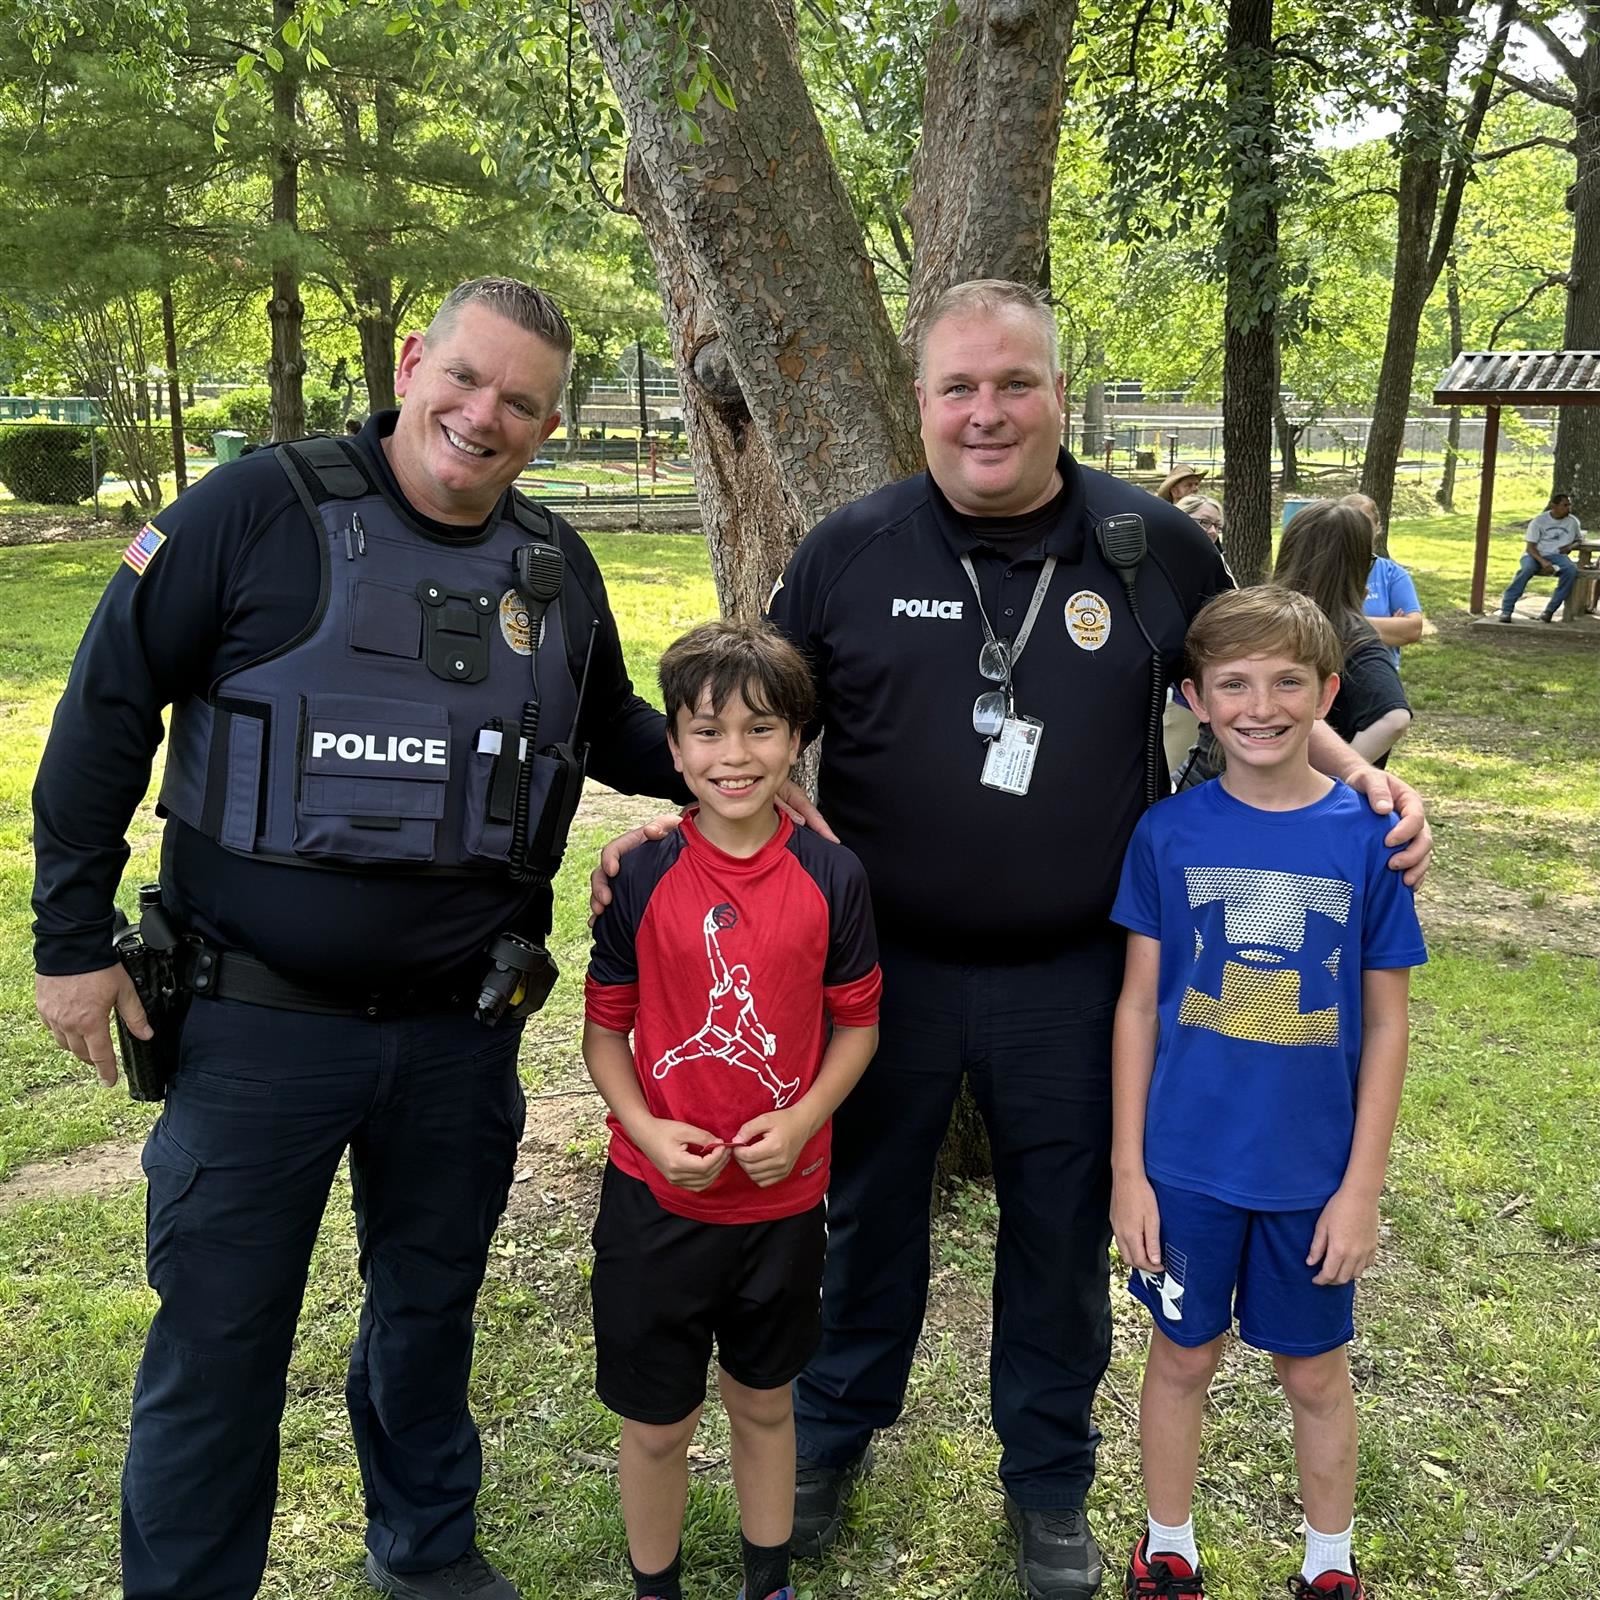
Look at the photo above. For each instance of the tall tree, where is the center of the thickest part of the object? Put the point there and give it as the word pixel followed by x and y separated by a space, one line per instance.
pixel 1250 253
pixel 1577 463
pixel 1435 146
pixel 285 310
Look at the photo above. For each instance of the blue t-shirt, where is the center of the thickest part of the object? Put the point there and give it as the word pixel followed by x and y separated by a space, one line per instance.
pixel 1266 921
pixel 1389 589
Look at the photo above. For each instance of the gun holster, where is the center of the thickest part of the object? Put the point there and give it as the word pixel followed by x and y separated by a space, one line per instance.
pixel 154 959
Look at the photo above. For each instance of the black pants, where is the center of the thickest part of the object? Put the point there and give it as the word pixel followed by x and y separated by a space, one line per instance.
pixel 262 1108
pixel 1034 1039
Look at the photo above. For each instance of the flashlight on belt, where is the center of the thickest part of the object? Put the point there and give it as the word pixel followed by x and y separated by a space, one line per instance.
pixel 519 980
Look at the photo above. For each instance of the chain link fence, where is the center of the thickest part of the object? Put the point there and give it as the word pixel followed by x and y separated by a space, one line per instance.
pixel 641 475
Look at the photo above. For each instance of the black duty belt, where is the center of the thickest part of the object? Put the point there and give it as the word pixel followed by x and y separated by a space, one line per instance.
pixel 232 975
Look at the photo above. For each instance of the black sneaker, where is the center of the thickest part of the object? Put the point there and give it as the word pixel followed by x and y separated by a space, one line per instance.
pixel 468 1577
pixel 819 1494
pixel 1057 1558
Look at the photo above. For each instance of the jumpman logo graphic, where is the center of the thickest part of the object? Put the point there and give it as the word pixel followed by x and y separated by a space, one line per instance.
pixel 732 1032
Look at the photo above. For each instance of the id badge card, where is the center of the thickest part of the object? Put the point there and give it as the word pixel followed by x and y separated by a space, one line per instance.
pixel 1009 764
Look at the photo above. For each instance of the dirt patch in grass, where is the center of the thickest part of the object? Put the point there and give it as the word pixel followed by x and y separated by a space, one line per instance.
pixel 53 527
pixel 92 1170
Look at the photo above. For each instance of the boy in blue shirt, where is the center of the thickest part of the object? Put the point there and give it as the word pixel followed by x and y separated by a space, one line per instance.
pixel 1259 1051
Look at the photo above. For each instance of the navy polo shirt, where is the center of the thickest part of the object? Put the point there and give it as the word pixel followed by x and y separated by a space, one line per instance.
pixel 877 599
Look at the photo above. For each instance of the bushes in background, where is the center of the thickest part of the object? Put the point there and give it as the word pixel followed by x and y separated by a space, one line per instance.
pixel 47 462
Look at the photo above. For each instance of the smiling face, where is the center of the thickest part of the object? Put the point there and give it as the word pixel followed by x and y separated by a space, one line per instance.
pixel 481 397
pixel 734 761
pixel 991 412
pixel 1261 709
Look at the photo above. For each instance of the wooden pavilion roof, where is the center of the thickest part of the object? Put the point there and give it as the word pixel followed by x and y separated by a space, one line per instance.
pixel 1526 377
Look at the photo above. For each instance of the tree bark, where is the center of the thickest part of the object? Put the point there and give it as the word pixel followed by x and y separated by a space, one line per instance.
pixel 1452 438
pixel 169 339
pixel 1577 463
pixel 1003 64
pixel 376 327
pixel 285 313
pixel 750 524
pixel 1250 248
pixel 772 247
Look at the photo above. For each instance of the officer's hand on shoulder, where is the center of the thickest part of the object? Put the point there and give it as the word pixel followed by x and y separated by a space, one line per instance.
pixel 611 858
pixel 76 1008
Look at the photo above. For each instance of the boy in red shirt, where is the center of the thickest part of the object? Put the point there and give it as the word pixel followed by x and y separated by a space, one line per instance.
pixel 727 949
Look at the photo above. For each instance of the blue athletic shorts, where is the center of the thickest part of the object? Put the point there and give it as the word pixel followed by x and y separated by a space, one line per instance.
pixel 1226 1264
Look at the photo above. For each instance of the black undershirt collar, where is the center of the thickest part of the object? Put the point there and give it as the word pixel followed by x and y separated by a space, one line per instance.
pixel 1058 528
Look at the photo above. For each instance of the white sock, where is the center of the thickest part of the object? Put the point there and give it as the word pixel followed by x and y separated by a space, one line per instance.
pixel 1177 1541
pixel 1326 1552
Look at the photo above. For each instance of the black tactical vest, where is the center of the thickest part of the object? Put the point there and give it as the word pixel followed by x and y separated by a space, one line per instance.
pixel 391 732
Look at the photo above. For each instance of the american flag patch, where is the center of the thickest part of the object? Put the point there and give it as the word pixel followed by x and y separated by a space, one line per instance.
pixel 141 551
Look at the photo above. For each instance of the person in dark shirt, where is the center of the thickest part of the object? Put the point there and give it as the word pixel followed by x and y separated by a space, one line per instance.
pixel 986 691
pixel 337 643
pixel 1325 552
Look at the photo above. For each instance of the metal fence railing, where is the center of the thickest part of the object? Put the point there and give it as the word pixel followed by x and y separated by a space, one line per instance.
pixel 613 472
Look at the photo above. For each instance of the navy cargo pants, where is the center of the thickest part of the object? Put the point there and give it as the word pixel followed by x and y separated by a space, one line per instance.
pixel 262 1108
pixel 1034 1040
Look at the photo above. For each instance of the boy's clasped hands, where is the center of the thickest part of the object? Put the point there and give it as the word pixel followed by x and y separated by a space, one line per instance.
pixel 688 1157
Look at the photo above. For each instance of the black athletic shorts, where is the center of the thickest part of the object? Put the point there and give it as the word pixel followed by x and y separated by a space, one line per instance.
pixel 666 1286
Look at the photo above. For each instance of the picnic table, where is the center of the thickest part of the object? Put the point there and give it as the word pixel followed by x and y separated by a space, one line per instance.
pixel 1585 593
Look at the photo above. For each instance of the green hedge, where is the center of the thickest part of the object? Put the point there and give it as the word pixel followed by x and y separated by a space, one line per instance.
pixel 250 412
pixel 47 462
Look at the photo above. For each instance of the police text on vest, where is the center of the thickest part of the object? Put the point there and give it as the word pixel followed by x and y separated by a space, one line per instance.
pixel 946 610
pixel 371 747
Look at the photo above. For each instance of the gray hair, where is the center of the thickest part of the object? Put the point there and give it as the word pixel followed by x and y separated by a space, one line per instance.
pixel 529 308
pixel 988 297
pixel 1191 503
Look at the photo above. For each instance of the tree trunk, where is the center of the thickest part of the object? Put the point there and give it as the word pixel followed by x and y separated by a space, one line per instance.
pixel 1288 434
pixel 376 327
pixel 1250 249
pixel 1452 438
pixel 1427 131
pixel 169 337
pixel 1577 464
pixel 285 314
pixel 750 524
pixel 1003 63
pixel 773 251
pixel 1422 133
pixel 1094 406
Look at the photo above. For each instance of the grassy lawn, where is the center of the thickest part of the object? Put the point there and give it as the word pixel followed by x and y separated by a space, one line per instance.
pixel 1480 1340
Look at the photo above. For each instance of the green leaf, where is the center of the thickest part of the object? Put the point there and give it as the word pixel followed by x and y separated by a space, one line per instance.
pixel 315 56
pixel 397 24
pixel 291 34
pixel 723 93
pixel 274 57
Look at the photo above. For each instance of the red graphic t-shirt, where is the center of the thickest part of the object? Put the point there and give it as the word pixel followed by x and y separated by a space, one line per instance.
pixel 726 970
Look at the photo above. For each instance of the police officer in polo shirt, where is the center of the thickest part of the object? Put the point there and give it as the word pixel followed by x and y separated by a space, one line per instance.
pixel 986 691
pixel 358 802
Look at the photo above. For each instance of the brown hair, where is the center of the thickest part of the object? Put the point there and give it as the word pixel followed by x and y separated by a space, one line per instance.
pixel 1266 620
pixel 531 309
pixel 1326 552
pixel 752 658
pixel 986 297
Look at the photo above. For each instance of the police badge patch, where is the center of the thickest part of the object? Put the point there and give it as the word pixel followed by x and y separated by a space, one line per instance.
pixel 514 623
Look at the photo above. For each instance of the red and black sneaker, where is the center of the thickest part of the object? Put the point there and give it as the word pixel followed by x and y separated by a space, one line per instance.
pixel 1161 1577
pixel 1329 1586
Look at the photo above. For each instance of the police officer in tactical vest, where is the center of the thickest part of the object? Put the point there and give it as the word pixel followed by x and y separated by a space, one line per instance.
pixel 387 671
